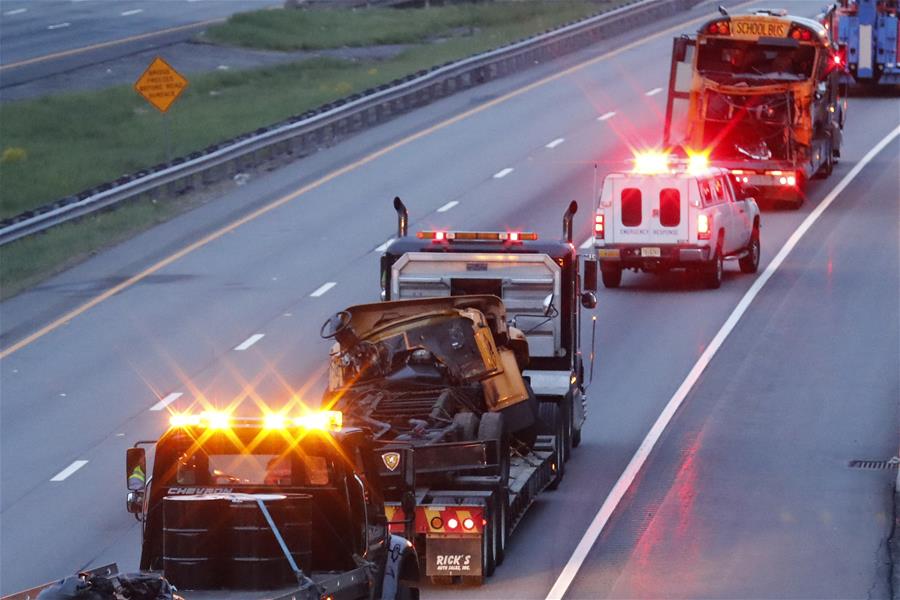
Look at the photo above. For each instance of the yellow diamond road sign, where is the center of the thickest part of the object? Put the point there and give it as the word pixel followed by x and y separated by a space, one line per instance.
pixel 160 84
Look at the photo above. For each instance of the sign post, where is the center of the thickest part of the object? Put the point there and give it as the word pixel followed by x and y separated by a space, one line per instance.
pixel 161 85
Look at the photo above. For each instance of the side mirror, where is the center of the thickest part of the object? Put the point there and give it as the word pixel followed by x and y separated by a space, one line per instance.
pixel 679 49
pixel 134 503
pixel 589 300
pixel 548 305
pixel 590 274
pixel 136 469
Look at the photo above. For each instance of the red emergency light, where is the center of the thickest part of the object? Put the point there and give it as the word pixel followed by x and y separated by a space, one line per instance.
pixel 599 226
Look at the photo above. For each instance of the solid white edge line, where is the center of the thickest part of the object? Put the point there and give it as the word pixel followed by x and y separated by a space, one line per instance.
pixel 555 143
pixel 640 457
pixel 503 173
pixel 249 341
pixel 135 11
pixel 447 206
pixel 323 288
pixel 653 92
pixel 606 116
pixel 166 401
pixel 385 245
pixel 15 11
pixel 64 474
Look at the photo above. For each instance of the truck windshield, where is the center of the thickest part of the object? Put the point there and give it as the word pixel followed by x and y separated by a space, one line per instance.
pixel 725 60
pixel 222 465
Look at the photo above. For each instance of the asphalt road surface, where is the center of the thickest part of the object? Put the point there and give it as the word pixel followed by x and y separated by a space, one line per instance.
pixel 47 37
pixel 748 492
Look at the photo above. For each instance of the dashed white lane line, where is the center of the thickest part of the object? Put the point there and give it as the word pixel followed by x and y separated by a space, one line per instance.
pixel 65 473
pixel 633 469
pixel 16 11
pixel 653 92
pixel 503 173
pixel 448 206
pixel 385 245
pixel 323 288
pixel 606 116
pixel 586 244
pixel 555 143
pixel 166 401
pixel 249 341
pixel 135 11
pixel 58 25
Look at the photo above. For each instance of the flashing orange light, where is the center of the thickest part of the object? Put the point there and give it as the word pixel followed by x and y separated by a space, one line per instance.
pixel 650 163
pixel 325 420
pixel 211 419
pixel 437 522
pixel 275 421
pixel 704 227
pixel 698 163
pixel 479 236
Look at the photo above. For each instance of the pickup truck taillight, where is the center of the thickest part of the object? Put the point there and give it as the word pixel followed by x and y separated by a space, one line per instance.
pixel 599 226
pixel 704 226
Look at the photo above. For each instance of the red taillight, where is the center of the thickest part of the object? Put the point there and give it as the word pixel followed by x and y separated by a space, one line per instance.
pixel 719 28
pixel 704 226
pixel 599 226
pixel 452 523
pixel 439 236
pixel 437 522
pixel 468 524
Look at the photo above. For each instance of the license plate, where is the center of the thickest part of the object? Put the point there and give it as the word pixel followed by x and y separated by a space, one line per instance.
pixel 650 252
pixel 611 253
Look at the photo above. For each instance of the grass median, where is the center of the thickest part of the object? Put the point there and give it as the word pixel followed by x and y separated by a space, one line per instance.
pixel 59 145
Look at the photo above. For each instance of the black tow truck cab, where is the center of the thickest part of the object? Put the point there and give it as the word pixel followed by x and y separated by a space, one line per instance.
pixel 268 508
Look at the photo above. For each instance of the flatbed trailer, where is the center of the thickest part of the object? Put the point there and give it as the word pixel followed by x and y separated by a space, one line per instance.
pixel 470 495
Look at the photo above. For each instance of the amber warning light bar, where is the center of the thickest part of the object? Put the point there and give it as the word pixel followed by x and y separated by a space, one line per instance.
pixel 477 236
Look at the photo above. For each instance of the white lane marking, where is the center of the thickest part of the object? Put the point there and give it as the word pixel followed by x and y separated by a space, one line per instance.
pixel 17 11
pixel 64 474
pixel 653 92
pixel 640 457
pixel 503 173
pixel 586 244
pixel 166 401
pixel 128 13
pixel 385 245
pixel 448 206
pixel 555 143
pixel 249 341
pixel 606 116
pixel 58 25
pixel 323 288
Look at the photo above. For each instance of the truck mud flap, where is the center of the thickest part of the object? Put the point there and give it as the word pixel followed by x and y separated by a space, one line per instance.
pixel 453 556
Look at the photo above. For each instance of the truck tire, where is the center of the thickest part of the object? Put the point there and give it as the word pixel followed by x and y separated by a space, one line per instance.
pixel 467 424
pixel 611 276
pixel 501 518
pixel 750 263
pixel 488 561
pixel 552 423
pixel 712 273
pixel 491 427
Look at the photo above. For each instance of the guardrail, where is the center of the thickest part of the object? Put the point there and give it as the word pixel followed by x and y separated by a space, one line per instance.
pixel 303 134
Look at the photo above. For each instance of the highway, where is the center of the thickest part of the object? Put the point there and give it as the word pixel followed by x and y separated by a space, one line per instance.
pixel 41 38
pixel 747 492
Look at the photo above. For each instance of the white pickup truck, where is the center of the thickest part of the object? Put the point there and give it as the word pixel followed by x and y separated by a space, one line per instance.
pixel 664 215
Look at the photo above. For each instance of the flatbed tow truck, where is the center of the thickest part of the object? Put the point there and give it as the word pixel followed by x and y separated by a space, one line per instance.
pixel 470 375
pixel 279 507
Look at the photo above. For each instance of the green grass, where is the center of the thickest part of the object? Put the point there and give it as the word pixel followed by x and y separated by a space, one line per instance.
pixel 59 145
pixel 320 29
pixel 28 261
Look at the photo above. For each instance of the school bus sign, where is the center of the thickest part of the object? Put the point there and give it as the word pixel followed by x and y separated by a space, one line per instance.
pixel 160 84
